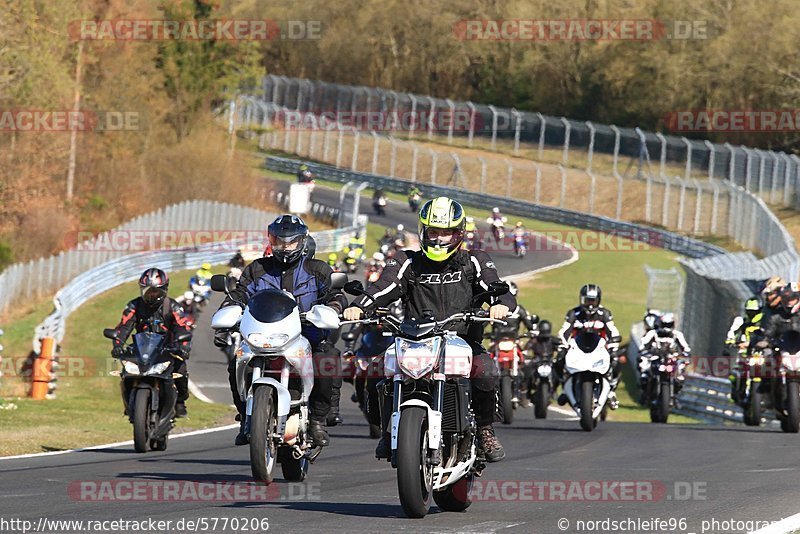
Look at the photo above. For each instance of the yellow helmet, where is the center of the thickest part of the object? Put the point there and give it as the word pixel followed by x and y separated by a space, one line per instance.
pixel 446 214
pixel 205 266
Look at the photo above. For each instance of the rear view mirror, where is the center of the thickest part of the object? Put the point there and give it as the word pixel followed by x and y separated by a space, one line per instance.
pixel 110 333
pixel 338 280
pixel 219 282
pixel 354 287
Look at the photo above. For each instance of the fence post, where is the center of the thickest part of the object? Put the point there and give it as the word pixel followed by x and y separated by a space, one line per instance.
pixel 393 161
pixel 665 205
pixel 517 129
pixel 354 163
pixel 509 178
pixel 731 163
pixel 325 144
pixel 748 168
pixel 567 130
pixel 414 118
pixel 616 148
pixel 697 207
pixel 786 179
pixel 592 186
pixel 339 144
pixel 538 182
pixel 714 207
pixel 375 147
pixel 775 164
pixel 542 125
pixel 483 174
pixel 649 177
pixel 430 117
pixel 452 107
pixel 620 192
pixel 761 169
pixel 688 173
pixel 434 158
pixel 662 162
pixel 494 127
pixel 591 145
pixel 414 162
pixel 681 203
pixel 471 123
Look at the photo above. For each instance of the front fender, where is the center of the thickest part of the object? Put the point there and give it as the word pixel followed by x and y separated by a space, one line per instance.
pixel 284 397
pixel 434 423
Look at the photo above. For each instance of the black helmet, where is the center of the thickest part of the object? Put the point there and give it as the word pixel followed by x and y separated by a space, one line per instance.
pixel 590 296
pixel 153 285
pixel 545 328
pixel 287 235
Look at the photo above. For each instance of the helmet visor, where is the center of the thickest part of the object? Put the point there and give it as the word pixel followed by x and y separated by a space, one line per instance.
pixel 590 301
pixel 153 295
pixel 286 243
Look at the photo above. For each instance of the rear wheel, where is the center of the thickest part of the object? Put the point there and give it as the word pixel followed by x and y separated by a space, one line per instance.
pixel 455 497
pixel 141 418
pixel 541 399
pixel 414 475
pixel 506 394
pixel 586 404
pixel 262 447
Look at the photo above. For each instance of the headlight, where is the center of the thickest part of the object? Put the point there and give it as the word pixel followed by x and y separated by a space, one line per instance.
pixel 789 361
pixel 662 367
pixel 506 345
pixel 544 370
pixel 756 360
pixel 262 341
pixel 157 369
pixel 417 358
pixel 132 368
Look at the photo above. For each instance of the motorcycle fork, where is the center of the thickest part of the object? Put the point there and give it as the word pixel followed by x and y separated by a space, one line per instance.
pixel 397 400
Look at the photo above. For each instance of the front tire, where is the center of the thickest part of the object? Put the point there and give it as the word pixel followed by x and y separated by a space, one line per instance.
pixel 414 476
pixel 792 408
pixel 586 405
pixel 262 447
pixel 541 399
pixel 506 394
pixel 665 400
pixel 455 497
pixel 753 411
pixel 141 417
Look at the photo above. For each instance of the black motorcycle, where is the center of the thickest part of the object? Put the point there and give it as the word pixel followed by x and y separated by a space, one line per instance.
pixel 148 387
pixel 785 384
pixel 663 366
pixel 541 384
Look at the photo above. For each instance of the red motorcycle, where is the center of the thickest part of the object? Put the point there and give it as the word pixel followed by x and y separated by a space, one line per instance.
pixel 509 357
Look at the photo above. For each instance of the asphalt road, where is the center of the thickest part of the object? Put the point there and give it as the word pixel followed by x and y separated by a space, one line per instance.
pixel 555 478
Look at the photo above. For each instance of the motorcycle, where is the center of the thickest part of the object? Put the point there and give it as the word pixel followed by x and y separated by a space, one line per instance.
pixel 307 177
pixel 586 386
pixel 785 386
pixel 749 389
pixel 235 272
pixel 508 356
pixel 148 387
pixel 275 375
pixel 542 383
pixel 520 246
pixel 379 204
pixel 413 202
pixel 201 290
pixel 498 227
pixel 433 430
pixel 352 260
pixel 663 366
pixel 471 241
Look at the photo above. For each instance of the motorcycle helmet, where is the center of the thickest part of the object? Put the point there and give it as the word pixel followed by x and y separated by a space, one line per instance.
pixel 378 256
pixel 519 224
pixel 441 228
pixel 287 236
pixel 752 308
pixel 332 259
pixel 400 228
pixel 666 323
pixel 206 266
pixel 495 210
pixel 188 296
pixel 789 297
pixel 590 296
pixel 153 285
pixel 545 328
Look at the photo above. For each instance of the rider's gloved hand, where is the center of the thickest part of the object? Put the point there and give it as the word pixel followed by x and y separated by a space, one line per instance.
pixel 221 338
pixel 354 313
pixel 118 351
pixel 498 311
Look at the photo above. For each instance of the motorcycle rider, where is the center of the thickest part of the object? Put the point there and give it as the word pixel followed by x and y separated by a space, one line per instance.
pixel 650 319
pixel 154 311
pixel 379 201
pixel 304 174
pixel 309 280
pixel 471 240
pixel 354 250
pixel 414 194
pixel 590 310
pixel 742 331
pixel 521 233
pixel 204 273
pixel 664 333
pixel 543 346
pixel 417 277
pixel 333 262
pixel 784 316
pixel 520 317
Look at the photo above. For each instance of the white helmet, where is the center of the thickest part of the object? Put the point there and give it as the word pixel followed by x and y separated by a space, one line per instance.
pixel 378 256
pixel 400 227
pixel 189 295
pixel 495 210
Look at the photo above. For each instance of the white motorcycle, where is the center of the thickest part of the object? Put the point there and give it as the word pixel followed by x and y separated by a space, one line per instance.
pixel 434 433
pixel 586 387
pixel 275 375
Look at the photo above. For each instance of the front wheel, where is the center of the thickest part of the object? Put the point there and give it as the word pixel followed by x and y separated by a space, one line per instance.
pixel 262 446
pixel 506 394
pixel 665 401
pixel 455 497
pixel 753 411
pixel 586 405
pixel 541 399
pixel 141 418
pixel 792 408
pixel 414 475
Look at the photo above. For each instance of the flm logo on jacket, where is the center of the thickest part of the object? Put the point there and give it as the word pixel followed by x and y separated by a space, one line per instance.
pixel 440 278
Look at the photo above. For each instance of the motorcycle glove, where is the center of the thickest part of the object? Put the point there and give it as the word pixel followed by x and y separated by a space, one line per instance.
pixel 221 338
pixel 118 351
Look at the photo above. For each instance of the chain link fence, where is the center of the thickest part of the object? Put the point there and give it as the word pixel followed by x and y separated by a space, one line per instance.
pixel 595 148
